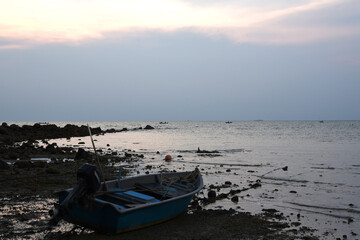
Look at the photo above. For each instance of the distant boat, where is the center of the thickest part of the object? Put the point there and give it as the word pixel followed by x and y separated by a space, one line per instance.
pixel 125 204
pixel 228 122
pixel 42 123
pixel 163 122
pixel 321 121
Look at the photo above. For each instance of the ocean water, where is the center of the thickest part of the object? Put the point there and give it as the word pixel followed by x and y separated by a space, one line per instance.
pixel 320 188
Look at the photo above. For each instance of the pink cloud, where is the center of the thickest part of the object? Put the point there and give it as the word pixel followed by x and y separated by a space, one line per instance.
pixel 76 21
pixel 13 46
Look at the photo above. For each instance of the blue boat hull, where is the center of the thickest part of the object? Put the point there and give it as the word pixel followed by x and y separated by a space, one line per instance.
pixel 106 218
pixel 131 203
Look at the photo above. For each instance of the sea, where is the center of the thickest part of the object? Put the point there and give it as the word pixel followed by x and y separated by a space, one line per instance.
pixel 308 170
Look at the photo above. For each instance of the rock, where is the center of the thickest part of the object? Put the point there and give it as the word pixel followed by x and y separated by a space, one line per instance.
pixel 148 127
pixel 222 196
pixel 235 199
pixel 112 130
pixel 205 151
pixel 234 191
pixel 255 185
pixel 269 210
pixel 4 165
pixel 212 194
pixel 52 170
pixel 82 154
pixel 13 156
pixel 23 164
pixel 39 164
pixel 14 133
pixel 228 183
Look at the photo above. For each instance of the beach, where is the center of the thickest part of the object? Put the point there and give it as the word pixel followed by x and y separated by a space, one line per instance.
pixel 284 180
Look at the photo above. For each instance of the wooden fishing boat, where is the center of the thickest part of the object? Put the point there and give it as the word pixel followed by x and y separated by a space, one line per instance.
pixel 127 204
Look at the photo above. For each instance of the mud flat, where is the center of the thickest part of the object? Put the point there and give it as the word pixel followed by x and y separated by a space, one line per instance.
pixel 25 217
pixel 26 197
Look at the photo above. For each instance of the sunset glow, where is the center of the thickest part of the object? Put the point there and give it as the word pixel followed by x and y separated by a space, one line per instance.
pixel 74 21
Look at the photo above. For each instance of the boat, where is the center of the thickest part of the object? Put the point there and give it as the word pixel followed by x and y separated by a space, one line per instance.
pixel 42 123
pixel 125 204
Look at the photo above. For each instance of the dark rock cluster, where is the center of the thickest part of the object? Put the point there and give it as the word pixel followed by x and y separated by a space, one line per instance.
pixel 14 133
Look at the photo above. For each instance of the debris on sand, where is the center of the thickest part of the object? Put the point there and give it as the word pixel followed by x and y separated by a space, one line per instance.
pixel 205 151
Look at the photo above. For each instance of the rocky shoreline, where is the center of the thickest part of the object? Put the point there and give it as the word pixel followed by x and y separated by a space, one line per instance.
pixel 27 187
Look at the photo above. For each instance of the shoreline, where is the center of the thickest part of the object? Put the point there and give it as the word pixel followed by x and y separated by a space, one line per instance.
pixel 26 196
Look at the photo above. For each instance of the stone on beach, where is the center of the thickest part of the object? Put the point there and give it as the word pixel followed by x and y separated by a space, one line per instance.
pixel 82 154
pixel 235 199
pixel 206 151
pixel 4 165
pixel 211 194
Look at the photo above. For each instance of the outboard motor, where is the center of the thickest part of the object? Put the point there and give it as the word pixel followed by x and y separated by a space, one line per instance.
pixel 88 183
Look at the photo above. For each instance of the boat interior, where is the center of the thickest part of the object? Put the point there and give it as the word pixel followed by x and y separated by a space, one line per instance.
pixel 129 193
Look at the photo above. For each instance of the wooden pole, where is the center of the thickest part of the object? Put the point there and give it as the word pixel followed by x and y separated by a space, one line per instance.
pixel 97 159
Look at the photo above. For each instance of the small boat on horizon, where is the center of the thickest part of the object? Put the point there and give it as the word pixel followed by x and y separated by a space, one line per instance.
pixel 122 205
pixel 42 123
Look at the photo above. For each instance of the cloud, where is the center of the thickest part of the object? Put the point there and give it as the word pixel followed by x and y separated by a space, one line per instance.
pixel 13 46
pixel 44 21
pixel 282 34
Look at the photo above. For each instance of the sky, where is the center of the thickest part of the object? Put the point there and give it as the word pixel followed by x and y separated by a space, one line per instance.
pixel 179 60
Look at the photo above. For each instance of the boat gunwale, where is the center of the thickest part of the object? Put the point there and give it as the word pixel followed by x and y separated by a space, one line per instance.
pixel 146 205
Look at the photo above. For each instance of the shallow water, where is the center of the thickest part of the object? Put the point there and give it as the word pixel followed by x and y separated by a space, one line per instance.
pixel 321 187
